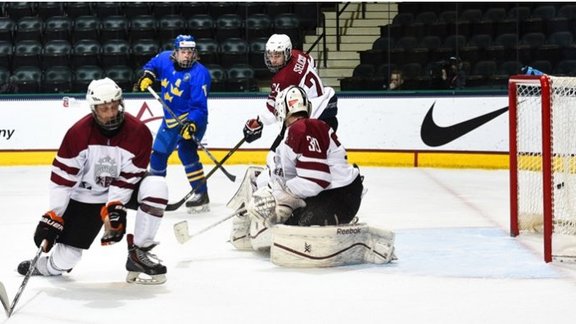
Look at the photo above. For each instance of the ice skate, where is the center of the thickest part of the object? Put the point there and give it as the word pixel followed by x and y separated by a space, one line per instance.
pixel 41 268
pixel 198 203
pixel 25 265
pixel 141 269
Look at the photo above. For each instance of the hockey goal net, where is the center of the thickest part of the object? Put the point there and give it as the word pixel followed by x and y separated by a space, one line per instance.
pixel 543 161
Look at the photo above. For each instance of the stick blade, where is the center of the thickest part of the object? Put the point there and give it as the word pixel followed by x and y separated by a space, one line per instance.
pixel 4 299
pixel 229 175
pixel 175 206
pixel 181 232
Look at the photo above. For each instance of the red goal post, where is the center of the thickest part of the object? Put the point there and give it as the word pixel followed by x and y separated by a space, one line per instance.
pixel 543 161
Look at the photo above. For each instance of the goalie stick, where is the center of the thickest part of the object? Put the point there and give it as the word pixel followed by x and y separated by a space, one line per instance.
pixel 181 228
pixel 4 299
pixel 176 205
pixel 228 174
pixel 27 277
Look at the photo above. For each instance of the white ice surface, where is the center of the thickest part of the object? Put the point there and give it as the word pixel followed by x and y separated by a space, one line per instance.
pixel 457 263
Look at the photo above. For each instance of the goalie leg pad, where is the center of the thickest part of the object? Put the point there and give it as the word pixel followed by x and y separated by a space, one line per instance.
pixel 247 187
pixel 330 246
pixel 240 235
pixel 381 243
pixel 260 236
pixel 261 209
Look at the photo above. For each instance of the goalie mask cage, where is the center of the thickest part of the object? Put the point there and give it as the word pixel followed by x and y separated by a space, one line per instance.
pixel 543 161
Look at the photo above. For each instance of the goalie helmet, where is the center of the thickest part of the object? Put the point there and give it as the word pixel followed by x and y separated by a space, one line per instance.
pixel 290 101
pixel 278 43
pixel 105 91
pixel 183 44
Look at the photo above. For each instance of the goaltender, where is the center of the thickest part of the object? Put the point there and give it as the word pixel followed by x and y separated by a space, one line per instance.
pixel 306 213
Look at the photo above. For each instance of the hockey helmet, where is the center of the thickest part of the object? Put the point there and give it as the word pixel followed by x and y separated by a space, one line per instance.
pixel 105 91
pixel 181 44
pixel 278 43
pixel 290 101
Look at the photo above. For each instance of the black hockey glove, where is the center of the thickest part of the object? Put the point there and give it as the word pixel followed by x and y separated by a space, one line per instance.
pixel 253 130
pixel 114 218
pixel 146 80
pixel 188 129
pixel 49 228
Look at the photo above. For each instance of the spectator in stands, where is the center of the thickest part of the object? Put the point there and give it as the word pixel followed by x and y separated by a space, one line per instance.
pixel 452 74
pixel 396 80
pixel 10 86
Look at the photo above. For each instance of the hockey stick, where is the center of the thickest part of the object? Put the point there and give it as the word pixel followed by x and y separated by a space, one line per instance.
pixel 27 277
pixel 181 228
pixel 176 205
pixel 4 299
pixel 228 175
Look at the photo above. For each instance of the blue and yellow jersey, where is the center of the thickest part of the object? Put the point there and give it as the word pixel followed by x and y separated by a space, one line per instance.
pixel 185 91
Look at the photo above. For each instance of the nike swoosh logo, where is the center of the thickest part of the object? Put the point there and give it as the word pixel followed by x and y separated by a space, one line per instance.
pixel 434 135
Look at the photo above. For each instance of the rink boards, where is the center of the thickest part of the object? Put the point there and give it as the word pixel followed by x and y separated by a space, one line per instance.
pixel 403 130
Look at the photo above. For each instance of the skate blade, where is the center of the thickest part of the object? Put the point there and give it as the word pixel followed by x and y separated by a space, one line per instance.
pixel 199 209
pixel 141 278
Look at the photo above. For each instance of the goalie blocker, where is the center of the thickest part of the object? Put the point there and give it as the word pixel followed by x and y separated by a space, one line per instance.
pixel 330 246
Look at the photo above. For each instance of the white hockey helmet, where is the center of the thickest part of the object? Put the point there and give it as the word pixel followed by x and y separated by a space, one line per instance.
pixel 290 101
pixel 278 43
pixel 105 91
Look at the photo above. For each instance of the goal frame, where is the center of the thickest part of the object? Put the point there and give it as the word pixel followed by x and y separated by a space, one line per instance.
pixel 545 88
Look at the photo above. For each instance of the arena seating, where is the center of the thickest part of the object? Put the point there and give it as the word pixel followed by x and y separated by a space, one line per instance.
pixel 88 39
pixel 483 35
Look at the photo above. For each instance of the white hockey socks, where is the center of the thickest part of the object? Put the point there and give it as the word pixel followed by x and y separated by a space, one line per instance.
pixel 62 259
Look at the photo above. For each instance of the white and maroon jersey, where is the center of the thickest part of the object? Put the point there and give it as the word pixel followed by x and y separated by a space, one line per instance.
pixel 300 71
pixel 92 168
pixel 312 159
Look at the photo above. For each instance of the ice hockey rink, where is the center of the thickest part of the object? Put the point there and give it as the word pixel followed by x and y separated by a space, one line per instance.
pixel 456 262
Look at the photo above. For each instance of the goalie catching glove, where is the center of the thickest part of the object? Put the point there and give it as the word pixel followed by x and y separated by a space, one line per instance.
pixel 114 218
pixel 274 205
pixel 188 129
pixel 145 81
pixel 49 228
pixel 253 130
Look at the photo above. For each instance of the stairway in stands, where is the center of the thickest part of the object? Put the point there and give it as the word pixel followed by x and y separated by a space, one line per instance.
pixel 358 33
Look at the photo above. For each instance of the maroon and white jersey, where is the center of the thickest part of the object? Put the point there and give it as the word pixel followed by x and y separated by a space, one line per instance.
pixel 92 168
pixel 300 71
pixel 311 159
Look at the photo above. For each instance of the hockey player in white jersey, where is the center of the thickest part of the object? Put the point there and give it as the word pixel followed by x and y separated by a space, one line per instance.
pixel 291 67
pixel 98 173
pixel 306 213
